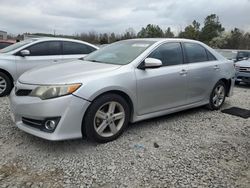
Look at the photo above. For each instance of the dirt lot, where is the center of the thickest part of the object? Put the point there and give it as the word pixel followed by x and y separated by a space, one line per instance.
pixel 195 148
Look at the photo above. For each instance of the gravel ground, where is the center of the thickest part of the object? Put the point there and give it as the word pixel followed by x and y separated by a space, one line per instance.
pixel 194 148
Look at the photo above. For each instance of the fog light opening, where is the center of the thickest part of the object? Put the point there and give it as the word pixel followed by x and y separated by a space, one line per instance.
pixel 50 125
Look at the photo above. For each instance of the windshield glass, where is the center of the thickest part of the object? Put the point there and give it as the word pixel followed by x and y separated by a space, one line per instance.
pixel 16 45
pixel 120 53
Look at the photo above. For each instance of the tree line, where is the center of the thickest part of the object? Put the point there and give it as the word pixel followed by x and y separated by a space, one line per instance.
pixel 212 33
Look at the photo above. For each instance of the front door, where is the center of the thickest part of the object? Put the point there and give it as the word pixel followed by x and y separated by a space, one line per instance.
pixel 41 54
pixel 165 87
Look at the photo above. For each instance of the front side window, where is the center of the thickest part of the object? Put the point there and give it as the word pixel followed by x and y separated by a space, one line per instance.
pixel 195 53
pixel 45 48
pixel 70 48
pixel 169 54
pixel 17 45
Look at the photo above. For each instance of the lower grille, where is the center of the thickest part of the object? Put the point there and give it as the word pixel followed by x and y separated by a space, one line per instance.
pixel 33 122
pixel 40 124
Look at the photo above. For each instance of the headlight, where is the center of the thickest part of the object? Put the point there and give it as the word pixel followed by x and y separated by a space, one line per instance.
pixel 49 92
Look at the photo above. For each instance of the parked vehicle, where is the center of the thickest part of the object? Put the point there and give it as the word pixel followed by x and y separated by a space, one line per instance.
pixel 243 71
pixel 124 82
pixel 31 53
pixel 235 55
pixel 5 43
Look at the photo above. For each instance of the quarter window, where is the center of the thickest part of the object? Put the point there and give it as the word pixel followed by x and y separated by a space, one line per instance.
pixel 195 53
pixel 76 48
pixel 210 56
pixel 45 48
pixel 169 54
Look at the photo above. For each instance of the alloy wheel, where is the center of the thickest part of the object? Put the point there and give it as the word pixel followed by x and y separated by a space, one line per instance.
pixel 219 95
pixel 3 85
pixel 109 119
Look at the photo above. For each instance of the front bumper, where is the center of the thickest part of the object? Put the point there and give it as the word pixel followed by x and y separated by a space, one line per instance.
pixel 243 77
pixel 70 109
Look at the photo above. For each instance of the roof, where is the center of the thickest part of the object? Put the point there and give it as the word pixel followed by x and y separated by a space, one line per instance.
pixel 61 39
pixel 165 39
pixel 3 32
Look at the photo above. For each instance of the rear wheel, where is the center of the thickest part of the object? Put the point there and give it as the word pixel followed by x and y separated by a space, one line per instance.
pixel 5 84
pixel 106 118
pixel 217 96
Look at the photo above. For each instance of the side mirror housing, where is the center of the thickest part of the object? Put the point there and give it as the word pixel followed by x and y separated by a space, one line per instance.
pixel 25 53
pixel 151 63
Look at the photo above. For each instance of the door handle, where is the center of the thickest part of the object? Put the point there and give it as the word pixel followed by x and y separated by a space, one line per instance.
pixel 216 67
pixel 55 61
pixel 183 72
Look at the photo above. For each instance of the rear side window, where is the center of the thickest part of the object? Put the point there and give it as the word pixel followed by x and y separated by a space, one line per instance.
pixel 45 48
pixel 169 54
pixel 195 53
pixel 70 48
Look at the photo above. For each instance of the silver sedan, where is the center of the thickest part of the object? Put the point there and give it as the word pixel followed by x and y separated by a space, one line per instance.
pixel 127 81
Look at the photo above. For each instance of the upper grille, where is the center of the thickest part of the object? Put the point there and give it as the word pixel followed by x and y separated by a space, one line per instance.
pixel 23 92
pixel 244 69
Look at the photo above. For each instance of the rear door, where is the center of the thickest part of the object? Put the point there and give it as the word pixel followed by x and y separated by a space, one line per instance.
pixel 41 54
pixel 165 87
pixel 202 71
pixel 74 50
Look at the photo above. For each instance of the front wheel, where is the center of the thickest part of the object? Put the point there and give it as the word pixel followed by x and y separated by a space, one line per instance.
pixel 5 84
pixel 217 96
pixel 106 118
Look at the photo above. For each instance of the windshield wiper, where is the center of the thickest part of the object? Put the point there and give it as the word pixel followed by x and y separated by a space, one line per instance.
pixel 93 60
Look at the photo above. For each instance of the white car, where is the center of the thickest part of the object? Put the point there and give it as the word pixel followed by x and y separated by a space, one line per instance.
pixel 242 72
pixel 25 55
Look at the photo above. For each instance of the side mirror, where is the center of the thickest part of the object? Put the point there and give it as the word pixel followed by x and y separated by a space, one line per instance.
pixel 25 53
pixel 152 63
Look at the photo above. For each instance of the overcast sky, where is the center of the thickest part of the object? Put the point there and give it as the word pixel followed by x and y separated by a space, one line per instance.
pixel 76 16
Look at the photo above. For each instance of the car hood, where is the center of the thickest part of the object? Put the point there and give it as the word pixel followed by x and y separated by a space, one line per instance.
pixel 66 73
pixel 245 63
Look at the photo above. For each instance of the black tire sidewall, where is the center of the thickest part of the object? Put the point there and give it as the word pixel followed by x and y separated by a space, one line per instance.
pixel 211 104
pixel 88 123
pixel 8 84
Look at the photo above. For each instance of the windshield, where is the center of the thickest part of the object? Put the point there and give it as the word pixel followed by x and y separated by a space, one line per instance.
pixel 16 45
pixel 120 53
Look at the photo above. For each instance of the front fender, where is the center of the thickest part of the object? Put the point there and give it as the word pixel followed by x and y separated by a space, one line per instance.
pixel 125 83
pixel 8 66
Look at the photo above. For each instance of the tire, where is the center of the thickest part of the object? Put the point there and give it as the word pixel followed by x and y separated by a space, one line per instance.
pixel 101 123
pixel 5 84
pixel 237 82
pixel 216 104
